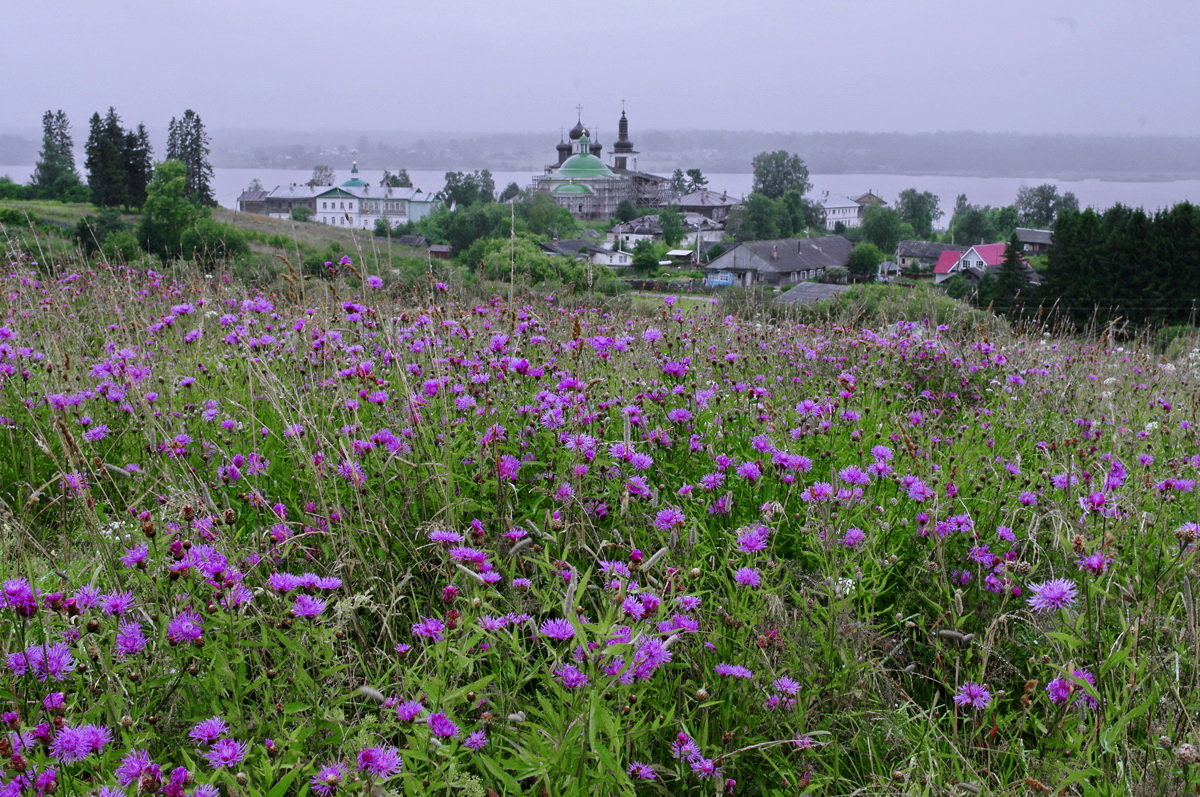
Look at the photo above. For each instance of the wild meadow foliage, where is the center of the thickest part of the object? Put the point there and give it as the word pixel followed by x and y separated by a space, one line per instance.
pixel 340 541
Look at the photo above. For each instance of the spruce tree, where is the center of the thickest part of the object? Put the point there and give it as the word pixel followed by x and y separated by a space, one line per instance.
pixel 139 165
pixel 54 176
pixel 187 142
pixel 107 176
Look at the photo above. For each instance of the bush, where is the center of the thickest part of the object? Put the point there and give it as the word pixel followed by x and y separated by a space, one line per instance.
pixel 91 232
pixel 209 242
pixel 121 246
pixel 302 213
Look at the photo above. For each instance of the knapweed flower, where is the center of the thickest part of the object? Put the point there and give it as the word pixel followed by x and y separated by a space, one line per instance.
pixel 440 725
pixel 134 765
pixel 430 627
pixel 226 753
pixel 307 606
pixel 380 762
pixel 328 779
pixel 476 740
pixel 571 677
pixel 76 743
pixel 747 576
pixel 972 695
pixel 639 771
pixel 409 710
pixel 1096 563
pixel 735 670
pixel 667 519
pixel 1060 690
pixel 557 628
pixel 130 639
pixel 208 731
pixel 185 627
pixel 1057 593
pixel 46 662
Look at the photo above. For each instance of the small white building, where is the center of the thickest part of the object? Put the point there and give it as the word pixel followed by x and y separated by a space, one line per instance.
pixel 357 204
pixel 842 209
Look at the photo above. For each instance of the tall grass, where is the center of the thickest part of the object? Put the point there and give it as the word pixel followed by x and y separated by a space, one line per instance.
pixel 661 550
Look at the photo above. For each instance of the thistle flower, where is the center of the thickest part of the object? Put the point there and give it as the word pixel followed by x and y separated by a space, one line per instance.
pixel 557 628
pixel 972 695
pixel 1058 593
pixel 380 762
pixel 328 779
pixel 440 725
pixel 208 731
pixel 226 753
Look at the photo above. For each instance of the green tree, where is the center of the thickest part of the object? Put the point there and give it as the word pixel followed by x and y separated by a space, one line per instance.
pixel 511 191
pixel 626 211
pixel 919 209
pixel 106 166
pixel 864 262
pixel 139 165
pixel 463 189
pixel 671 223
pixel 970 225
pixel 645 257
pixel 321 175
pixel 776 173
pixel 188 142
pixel 542 216
pixel 397 180
pixel 760 221
pixel 168 211
pixel 54 175
pixel 678 182
pixel 1012 278
pixel 301 213
pixel 695 180
pixel 882 227
pixel 1039 206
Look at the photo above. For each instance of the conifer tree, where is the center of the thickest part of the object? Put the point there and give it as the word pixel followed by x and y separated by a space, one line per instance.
pixel 107 177
pixel 54 176
pixel 187 142
pixel 139 164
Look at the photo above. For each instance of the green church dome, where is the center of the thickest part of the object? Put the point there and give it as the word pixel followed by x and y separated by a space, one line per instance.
pixel 583 166
pixel 572 188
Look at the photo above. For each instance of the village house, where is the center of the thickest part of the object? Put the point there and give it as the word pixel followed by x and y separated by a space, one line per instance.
pixel 1034 242
pixel 707 203
pixel 973 263
pixel 582 249
pixel 917 258
pixel 778 262
pixel 354 204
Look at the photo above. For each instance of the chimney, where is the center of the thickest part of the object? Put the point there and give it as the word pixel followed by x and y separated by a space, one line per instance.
pixel 774 252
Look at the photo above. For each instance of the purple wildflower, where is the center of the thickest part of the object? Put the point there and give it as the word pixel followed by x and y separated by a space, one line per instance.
pixel 328 779
pixel 972 695
pixel 208 731
pixel 476 740
pixel 76 743
pixel 734 670
pixel 557 628
pixel 1057 593
pixel 440 725
pixel 571 677
pixel 185 627
pixel 226 753
pixel 380 762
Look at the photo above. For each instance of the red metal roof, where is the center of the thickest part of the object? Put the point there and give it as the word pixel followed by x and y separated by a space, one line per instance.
pixel 945 261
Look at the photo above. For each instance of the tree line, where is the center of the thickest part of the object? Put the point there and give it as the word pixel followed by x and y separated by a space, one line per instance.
pixel 119 161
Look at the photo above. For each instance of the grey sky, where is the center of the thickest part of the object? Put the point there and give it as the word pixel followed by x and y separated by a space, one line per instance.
pixel 1042 66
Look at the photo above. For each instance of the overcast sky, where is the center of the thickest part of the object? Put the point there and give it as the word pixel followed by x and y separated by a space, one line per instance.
pixel 1037 66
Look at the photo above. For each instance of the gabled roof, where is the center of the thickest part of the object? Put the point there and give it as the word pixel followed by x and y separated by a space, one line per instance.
pixel 1027 235
pixel 252 196
pixel 809 292
pixel 990 254
pixel 786 255
pixel 925 250
pixel 946 261
pixel 707 199
pixel 838 201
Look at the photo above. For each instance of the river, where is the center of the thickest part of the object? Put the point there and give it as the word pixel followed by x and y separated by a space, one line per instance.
pixel 1099 194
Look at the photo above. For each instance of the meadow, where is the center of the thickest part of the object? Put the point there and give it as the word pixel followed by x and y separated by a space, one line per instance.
pixel 337 538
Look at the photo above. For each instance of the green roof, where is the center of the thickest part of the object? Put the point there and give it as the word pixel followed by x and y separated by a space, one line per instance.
pixel 583 166
pixel 572 188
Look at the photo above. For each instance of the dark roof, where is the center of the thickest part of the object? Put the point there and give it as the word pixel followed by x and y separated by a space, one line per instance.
pixel 439 248
pixel 1027 235
pixel 787 254
pixel 809 292
pixel 707 199
pixel 572 247
pixel 412 240
pixel 925 250
pixel 252 196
